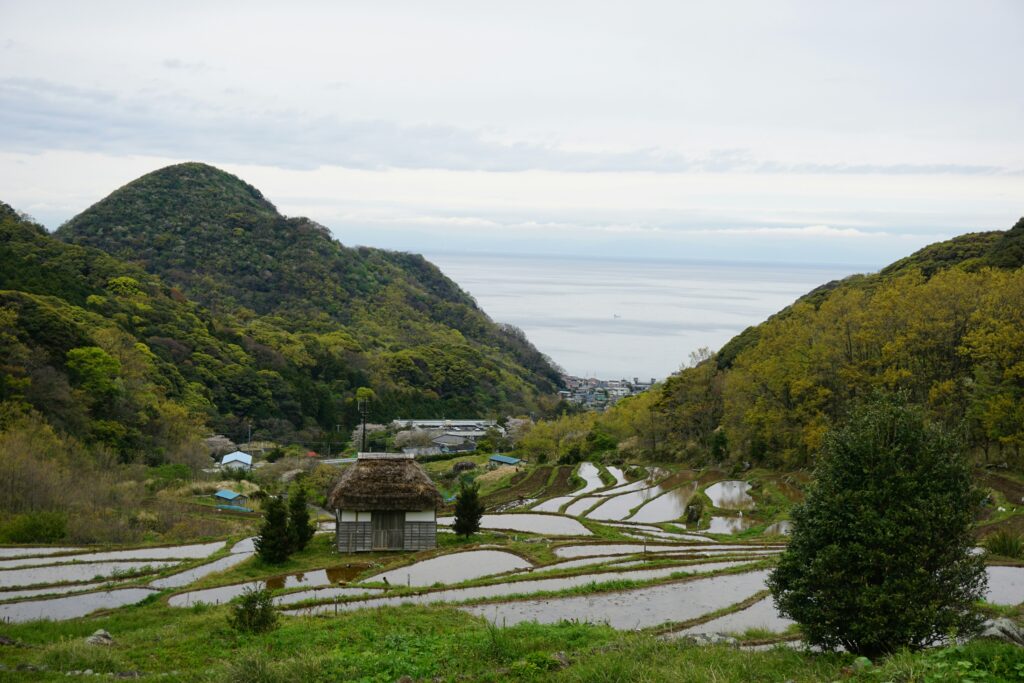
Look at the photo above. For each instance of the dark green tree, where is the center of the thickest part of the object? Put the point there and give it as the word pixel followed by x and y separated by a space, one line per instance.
pixel 880 556
pixel 300 531
pixel 468 510
pixel 274 544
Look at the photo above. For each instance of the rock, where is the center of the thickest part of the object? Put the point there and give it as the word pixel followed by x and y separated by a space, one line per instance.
pixel 1002 629
pixel 4 640
pixel 87 672
pixel 100 637
pixel 405 679
pixel 561 659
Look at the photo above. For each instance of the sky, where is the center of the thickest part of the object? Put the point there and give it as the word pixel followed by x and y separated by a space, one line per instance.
pixel 802 132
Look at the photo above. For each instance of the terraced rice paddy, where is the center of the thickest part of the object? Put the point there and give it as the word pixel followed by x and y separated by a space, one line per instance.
pixel 453 568
pixel 549 525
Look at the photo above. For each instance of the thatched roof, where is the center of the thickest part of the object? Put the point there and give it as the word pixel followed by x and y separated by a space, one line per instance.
pixel 384 481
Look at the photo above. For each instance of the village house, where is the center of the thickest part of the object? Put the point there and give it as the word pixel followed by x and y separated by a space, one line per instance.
pixel 231 498
pixel 385 501
pixel 236 461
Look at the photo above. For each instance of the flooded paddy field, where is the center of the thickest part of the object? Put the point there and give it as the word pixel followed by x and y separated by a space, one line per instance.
pixel 760 615
pixel 6 596
pixel 192 575
pixel 524 587
pixel 453 568
pixel 631 609
pixel 221 594
pixel 72 573
pixel 730 495
pixel 36 551
pixel 551 525
pixel 71 606
pixel 596 549
pixel 729 525
pixel 179 552
pixel 1005 585
pixel 667 507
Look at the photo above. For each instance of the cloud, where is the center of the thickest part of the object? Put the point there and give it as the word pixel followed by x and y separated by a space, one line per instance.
pixel 41 115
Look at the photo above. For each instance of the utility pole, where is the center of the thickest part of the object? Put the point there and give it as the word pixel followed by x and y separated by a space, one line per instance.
pixel 362 412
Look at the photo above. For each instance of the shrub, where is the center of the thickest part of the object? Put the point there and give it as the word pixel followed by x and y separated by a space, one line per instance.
pixel 254 612
pixel 1006 543
pixel 880 553
pixel 35 527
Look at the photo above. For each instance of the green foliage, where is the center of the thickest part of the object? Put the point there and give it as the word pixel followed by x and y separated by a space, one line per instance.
pixel 1006 543
pixel 274 543
pixel 469 509
pixel 300 530
pixel 35 527
pixel 880 554
pixel 253 612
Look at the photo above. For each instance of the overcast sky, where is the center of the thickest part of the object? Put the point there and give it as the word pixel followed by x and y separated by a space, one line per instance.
pixel 828 132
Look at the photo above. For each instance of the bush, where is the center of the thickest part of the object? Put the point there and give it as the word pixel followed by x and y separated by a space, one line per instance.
pixel 35 527
pixel 1006 543
pixel 254 612
pixel 880 553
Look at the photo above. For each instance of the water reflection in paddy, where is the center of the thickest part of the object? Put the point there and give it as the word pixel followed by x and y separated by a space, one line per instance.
pixel 730 495
pixel 1005 585
pixel 603 549
pixel 581 505
pixel 509 588
pixel 783 528
pixel 632 609
pixel 70 573
pixel 552 525
pixel 620 476
pixel 190 575
pixel 589 473
pixel 618 508
pixel 180 552
pixel 728 525
pixel 71 606
pixel 453 568
pixel 222 594
pixel 760 615
pixel 554 504
pixel 26 552
pixel 667 507
pixel 50 590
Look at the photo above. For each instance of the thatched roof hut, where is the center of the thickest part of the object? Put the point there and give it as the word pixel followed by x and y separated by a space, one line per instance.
pixel 384 481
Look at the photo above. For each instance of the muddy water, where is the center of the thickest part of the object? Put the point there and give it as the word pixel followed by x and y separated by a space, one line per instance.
pixel 730 495
pixel 509 588
pixel 667 507
pixel 550 525
pixel 190 575
pixel 728 525
pixel 1005 585
pixel 71 606
pixel 582 505
pixel 453 568
pixel 617 508
pixel 554 504
pixel 633 609
pixel 760 615
pixel 180 552
pixel 69 573
pixel 620 476
pixel 28 552
pixel 49 590
pixel 783 528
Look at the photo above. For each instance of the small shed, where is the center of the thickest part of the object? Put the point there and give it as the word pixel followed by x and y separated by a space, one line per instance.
pixel 499 460
pixel 229 497
pixel 237 461
pixel 385 501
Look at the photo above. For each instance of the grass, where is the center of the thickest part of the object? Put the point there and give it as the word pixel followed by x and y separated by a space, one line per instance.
pixel 1006 543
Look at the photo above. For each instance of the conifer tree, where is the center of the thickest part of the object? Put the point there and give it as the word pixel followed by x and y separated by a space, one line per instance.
pixel 300 531
pixel 274 543
pixel 468 510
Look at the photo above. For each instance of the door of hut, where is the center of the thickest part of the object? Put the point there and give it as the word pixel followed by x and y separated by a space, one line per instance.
pixel 388 530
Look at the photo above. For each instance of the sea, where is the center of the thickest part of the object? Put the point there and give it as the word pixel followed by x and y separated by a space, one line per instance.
pixel 623 318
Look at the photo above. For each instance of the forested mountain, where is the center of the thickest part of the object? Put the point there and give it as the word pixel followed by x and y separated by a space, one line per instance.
pixel 944 325
pixel 185 302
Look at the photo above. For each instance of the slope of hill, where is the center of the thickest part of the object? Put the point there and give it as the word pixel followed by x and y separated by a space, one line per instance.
pixel 944 325
pixel 143 360
pixel 422 342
